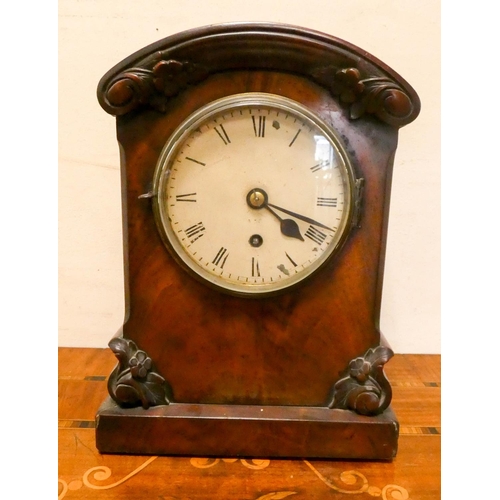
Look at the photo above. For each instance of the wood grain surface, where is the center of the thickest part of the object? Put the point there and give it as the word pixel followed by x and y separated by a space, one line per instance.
pixel 273 361
pixel 86 474
pixel 220 355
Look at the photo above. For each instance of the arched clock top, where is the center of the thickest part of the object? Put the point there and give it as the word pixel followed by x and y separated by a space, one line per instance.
pixel 158 72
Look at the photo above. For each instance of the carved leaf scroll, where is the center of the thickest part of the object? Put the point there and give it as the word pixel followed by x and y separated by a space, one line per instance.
pixel 154 87
pixel 377 95
pixel 365 389
pixel 134 382
pixel 154 75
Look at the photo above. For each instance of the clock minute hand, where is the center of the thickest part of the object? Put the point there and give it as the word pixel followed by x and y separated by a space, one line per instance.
pixel 300 217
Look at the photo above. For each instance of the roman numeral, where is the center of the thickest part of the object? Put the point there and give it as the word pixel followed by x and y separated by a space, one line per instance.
pixel 195 161
pixel 320 165
pixel 255 267
pixel 221 132
pixel 316 235
pixel 186 197
pixel 260 129
pixel 194 232
pixel 295 137
pixel 291 260
pixel 326 202
pixel 221 257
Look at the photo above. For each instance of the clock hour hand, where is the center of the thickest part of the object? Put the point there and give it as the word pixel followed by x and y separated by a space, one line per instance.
pixel 257 198
pixel 300 217
pixel 288 226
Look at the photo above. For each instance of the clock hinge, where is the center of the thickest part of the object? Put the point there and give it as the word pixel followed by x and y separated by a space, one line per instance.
pixel 149 194
pixel 359 186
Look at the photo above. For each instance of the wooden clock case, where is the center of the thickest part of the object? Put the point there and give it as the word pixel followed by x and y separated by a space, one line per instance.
pixel 299 374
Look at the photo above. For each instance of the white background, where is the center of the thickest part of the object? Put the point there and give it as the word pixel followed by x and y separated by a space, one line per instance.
pixel 96 35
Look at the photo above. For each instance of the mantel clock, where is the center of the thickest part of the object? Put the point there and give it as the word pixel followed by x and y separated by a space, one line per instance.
pixel 256 165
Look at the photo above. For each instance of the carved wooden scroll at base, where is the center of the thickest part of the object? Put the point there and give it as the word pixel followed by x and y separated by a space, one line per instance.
pixel 133 382
pixel 365 389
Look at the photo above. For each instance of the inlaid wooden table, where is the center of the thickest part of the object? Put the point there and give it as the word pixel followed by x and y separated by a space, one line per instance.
pixel 84 473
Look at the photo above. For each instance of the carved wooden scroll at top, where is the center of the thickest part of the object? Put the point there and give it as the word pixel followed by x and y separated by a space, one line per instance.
pixel 155 74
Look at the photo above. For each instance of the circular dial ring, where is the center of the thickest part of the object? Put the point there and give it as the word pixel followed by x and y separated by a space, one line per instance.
pixel 254 193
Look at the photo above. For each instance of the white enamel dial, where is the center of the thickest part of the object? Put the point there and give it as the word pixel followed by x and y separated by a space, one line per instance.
pixel 253 193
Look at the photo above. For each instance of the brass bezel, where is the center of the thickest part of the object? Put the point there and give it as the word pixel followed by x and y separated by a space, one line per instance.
pixel 170 150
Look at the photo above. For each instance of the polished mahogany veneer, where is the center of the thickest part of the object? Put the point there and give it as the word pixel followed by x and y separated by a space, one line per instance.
pixel 299 373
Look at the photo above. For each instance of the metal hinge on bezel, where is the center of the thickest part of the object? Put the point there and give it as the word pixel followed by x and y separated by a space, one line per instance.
pixel 149 194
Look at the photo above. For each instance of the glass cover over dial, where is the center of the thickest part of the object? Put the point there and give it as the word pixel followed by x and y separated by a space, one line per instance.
pixel 254 193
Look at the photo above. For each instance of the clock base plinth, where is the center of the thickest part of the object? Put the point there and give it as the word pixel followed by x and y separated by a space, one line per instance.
pixel 239 430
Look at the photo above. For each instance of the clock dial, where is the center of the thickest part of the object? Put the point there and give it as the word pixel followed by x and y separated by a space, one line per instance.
pixel 254 193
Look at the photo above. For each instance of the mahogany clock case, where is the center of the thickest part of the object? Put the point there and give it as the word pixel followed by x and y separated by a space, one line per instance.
pixel 199 370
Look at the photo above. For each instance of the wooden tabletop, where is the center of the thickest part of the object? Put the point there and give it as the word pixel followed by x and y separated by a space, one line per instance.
pixel 85 473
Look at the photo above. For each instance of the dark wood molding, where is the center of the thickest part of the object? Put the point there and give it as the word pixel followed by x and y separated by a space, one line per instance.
pixel 241 430
pixel 362 83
